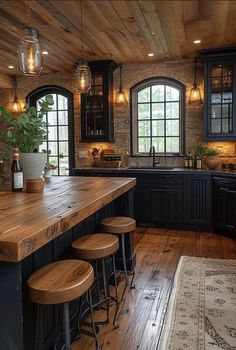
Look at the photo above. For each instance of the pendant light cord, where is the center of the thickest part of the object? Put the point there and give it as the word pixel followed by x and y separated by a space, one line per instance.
pixel 14 88
pixel 121 83
pixel 195 71
pixel 82 28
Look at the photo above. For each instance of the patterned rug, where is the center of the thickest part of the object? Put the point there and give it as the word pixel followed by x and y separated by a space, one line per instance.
pixel 201 313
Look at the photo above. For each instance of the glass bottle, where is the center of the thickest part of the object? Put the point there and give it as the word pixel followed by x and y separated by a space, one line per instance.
pixel 16 172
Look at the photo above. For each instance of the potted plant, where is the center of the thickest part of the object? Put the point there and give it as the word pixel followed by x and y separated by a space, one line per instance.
pixel 47 170
pixel 212 157
pixel 27 132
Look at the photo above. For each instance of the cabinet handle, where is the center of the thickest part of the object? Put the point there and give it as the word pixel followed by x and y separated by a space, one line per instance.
pixel 223 189
pixel 165 186
pixel 230 226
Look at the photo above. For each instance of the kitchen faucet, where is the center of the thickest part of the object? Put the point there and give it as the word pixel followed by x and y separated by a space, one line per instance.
pixel 152 153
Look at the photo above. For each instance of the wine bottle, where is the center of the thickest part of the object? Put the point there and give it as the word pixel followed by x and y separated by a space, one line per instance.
pixel 190 161
pixel 186 160
pixel 199 162
pixel 16 172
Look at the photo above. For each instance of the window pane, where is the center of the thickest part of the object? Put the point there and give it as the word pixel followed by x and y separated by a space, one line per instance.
pixel 43 147
pixel 144 95
pixel 172 144
pixel 227 97
pixel 144 144
pixel 216 98
pixel 158 128
pixel 172 110
pixel 216 111
pixel 63 148
pixel 144 128
pixel 158 111
pixel 52 118
pixel 64 166
pixel 52 133
pixel 144 111
pixel 226 110
pixel 62 102
pixel 225 125
pixel 215 125
pixel 63 118
pixel 172 94
pixel 63 133
pixel 53 160
pixel 172 128
pixel 52 146
pixel 157 93
pixel 159 143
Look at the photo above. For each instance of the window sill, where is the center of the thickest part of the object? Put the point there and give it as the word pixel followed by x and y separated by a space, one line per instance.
pixel 144 155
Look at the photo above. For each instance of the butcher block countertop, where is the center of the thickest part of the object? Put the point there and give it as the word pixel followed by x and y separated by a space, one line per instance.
pixel 28 221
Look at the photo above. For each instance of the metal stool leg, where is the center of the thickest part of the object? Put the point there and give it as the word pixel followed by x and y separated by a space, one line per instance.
pixel 133 274
pixel 66 325
pixel 92 320
pixel 124 263
pixel 105 288
pixel 116 291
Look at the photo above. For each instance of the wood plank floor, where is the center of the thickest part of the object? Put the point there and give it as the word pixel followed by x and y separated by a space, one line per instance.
pixel 141 315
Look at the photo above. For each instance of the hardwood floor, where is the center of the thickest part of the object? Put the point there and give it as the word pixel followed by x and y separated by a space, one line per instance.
pixel 141 315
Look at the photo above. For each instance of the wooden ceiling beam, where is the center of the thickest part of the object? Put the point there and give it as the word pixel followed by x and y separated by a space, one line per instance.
pixel 5 81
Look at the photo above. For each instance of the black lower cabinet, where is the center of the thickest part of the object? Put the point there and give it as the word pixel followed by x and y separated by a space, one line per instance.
pixel 224 198
pixel 166 205
pixel 141 197
pixel 198 200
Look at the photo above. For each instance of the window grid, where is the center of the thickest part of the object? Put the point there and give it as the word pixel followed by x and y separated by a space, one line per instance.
pixel 62 169
pixel 164 119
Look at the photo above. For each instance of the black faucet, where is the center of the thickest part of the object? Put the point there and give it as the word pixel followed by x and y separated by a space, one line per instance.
pixel 152 153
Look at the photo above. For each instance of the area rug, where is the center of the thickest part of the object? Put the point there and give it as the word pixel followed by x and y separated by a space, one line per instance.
pixel 201 313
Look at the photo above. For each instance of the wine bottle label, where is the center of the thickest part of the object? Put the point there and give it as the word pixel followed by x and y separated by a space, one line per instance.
pixel 18 180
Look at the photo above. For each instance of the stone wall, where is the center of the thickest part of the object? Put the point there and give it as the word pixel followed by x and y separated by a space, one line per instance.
pixel 132 74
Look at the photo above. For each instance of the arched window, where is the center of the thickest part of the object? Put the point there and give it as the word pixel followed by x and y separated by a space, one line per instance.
pixel 158 116
pixel 60 141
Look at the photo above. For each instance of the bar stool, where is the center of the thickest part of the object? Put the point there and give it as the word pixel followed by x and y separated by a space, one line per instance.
pixel 121 225
pixel 97 247
pixel 59 283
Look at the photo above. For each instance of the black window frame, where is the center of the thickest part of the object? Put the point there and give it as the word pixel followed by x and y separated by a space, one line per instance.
pixel 38 93
pixel 157 80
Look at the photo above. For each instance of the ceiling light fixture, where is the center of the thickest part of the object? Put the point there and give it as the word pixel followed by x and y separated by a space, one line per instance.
pixel 197 41
pixel 29 52
pixel 195 93
pixel 11 67
pixel 82 72
pixel 121 99
pixel 150 54
pixel 44 52
pixel 15 106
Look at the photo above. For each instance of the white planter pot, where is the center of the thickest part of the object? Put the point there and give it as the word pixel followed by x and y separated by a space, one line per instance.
pixel 33 164
pixel 47 174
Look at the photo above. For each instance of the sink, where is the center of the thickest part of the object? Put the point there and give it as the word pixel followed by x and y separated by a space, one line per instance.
pixel 152 168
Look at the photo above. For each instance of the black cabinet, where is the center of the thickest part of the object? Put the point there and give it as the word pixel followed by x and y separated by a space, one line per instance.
pixel 97 105
pixel 224 198
pixel 141 203
pixel 198 200
pixel 220 94
pixel 166 205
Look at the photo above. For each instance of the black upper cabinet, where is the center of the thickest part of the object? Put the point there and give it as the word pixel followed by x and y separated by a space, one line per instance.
pixel 220 94
pixel 97 105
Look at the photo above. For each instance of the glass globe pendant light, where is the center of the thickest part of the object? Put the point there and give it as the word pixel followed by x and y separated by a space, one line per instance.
pixel 121 99
pixel 82 72
pixel 195 93
pixel 15 106
pixel 30 53
pixel 82 76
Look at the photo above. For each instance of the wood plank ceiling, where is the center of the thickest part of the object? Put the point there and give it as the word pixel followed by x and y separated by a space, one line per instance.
pixel 122 30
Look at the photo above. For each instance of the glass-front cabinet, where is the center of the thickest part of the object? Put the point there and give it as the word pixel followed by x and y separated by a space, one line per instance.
pixel 220 94
pixel 97 104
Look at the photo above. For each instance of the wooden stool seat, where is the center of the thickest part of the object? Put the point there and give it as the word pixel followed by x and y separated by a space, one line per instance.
pixel 118 224
pixel 95 246
pixel 60 282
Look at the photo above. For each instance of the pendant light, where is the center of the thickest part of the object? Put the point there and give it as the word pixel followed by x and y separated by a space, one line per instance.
pixel 195 93
pixel 30 53
pixel 82 72
pixel 15 106
pixel 121 99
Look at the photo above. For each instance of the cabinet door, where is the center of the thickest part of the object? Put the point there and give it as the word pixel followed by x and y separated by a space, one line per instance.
pixel 220 207
pixel 197 189
pixel 141 203
pixel 166 205
pixel 230 210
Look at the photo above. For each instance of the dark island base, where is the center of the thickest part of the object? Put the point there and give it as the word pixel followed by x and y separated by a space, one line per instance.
pixel 17 332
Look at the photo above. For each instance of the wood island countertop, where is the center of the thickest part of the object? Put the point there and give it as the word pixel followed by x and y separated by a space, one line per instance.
pixel 28 221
